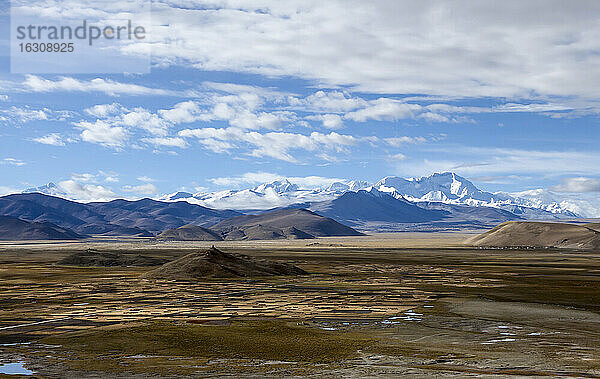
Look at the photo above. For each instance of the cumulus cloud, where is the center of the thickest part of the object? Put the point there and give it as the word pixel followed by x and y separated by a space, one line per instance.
pixel 144 119
pixel 579 185
pixel 329 121
pixel 53 139
pixel 86 192
pixel 103 133
pixel 105 110
pixel 184 112
pixel 273 144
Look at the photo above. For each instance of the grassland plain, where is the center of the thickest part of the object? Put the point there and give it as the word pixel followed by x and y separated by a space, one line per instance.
pixel 413 304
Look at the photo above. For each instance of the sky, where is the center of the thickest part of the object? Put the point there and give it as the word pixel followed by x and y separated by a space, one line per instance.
pixel 241 92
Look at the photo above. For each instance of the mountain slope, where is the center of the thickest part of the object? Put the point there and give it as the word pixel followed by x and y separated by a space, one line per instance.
pixel 119 217
pixel 373 205
pixel 289 223
pixel 539 234
pixel 14 229
pixel 156 216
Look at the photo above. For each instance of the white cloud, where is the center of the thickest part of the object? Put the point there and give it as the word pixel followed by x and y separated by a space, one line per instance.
pixel 579 185
pixel 105 110
pixel 167 141
pixel 329 121
pixel 142 118
pixel 408 47
pixel 273 144
pixel 476 161
pixel 3 97
pixel 109 87
pixel 26 114
pixel 109 177
pixel 333 101
pixel 86 192
pixel 184 112
pixel 103 133
pixel 384 109
pixel 401 141
pixel 235 88
pixel 12 162
pixel 53 139
pixel 142 189
pixel 86 177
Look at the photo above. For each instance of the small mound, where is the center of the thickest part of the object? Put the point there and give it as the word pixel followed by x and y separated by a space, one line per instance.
pixel 539 234
pixel 92 258
pixel 190 233
pixel 214 263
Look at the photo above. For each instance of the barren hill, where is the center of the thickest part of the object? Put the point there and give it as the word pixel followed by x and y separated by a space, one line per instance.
pixel 190 233
pixel 283 223
pixel 214 263
pixel 539 234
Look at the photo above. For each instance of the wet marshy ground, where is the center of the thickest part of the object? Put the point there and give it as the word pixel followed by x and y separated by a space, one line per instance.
pixel 363 310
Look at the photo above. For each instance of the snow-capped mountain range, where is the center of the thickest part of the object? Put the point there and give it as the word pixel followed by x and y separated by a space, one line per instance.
pixel 279 193
pixel 446 188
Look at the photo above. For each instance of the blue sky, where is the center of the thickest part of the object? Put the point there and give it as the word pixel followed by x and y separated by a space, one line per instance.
pixel 241 92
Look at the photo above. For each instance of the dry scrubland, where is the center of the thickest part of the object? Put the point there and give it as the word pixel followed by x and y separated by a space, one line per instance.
pixel 414 304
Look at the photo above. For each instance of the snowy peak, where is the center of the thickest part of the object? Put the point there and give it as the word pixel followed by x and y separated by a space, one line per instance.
pixel 178 195
pixel 278 186
pixel 352 185
pixel 450 188
pixel 50 189
pixel 445 186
